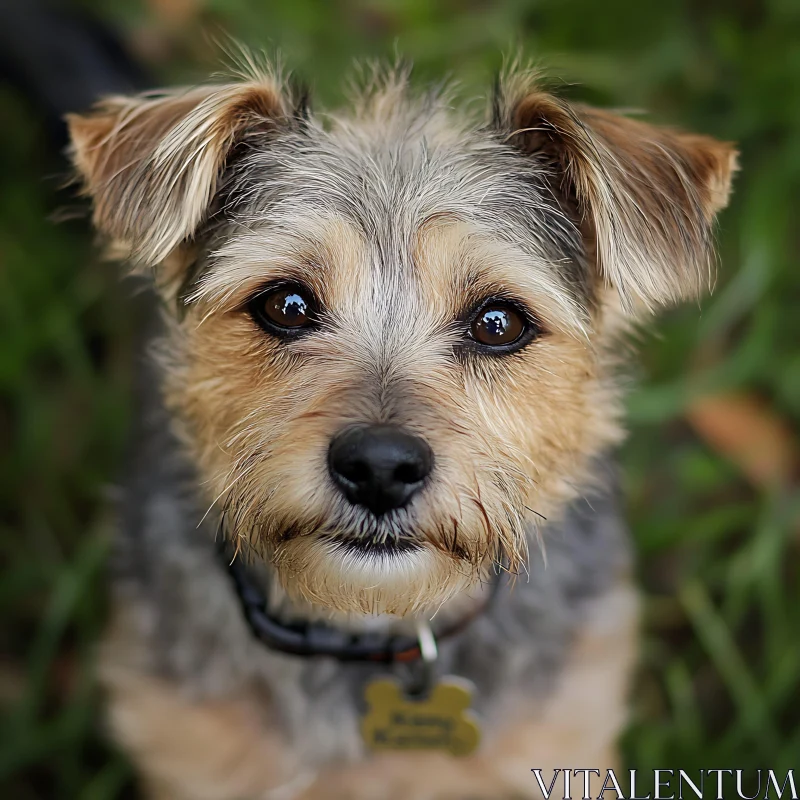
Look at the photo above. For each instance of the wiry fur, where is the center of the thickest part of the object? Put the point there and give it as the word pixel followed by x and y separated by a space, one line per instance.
pixel 153 161
pixel 401 217
pixel 647 196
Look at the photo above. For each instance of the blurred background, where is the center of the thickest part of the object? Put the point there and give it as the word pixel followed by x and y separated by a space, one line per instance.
pixel 711 467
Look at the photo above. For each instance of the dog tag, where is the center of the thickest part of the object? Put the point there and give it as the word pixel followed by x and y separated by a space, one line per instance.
pixel 440 720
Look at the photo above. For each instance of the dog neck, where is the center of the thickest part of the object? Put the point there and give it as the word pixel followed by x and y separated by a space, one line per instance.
pixel 267 605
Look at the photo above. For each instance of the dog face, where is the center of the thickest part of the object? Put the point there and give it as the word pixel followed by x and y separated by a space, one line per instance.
pixel 395 346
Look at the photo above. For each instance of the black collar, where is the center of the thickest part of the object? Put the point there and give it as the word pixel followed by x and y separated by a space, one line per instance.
pixel 319 639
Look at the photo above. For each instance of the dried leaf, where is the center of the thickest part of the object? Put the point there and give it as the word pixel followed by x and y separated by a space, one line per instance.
pixel 750 434
pixel 175 12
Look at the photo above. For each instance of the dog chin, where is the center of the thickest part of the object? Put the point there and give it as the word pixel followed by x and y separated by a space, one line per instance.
pixel 370 580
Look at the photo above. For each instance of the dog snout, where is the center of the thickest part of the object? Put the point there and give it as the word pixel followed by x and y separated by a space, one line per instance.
pixel 379 467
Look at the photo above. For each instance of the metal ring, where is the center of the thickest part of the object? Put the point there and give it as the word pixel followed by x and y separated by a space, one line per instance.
pixel 424 671
pixel 427 641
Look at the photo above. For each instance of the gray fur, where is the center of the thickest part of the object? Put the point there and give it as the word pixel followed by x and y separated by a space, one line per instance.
pixel 423 161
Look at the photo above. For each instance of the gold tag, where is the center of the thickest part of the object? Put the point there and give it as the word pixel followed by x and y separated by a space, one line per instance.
pixel 442 720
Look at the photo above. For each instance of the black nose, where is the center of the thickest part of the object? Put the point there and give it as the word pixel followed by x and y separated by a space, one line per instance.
pixel 379 466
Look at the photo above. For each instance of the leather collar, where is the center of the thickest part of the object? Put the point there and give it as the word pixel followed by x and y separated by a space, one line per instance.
pixel 308 639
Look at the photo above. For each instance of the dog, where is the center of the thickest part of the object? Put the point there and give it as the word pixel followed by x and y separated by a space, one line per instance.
pixel 374 457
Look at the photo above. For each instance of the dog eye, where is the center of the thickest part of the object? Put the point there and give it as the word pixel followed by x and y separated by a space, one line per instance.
pixel 500 324
pixel 284 310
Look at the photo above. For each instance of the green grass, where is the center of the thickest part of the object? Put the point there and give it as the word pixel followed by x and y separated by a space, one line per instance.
pixel 718 558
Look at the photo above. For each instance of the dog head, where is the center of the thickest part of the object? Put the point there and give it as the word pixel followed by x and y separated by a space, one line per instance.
pixel 394 350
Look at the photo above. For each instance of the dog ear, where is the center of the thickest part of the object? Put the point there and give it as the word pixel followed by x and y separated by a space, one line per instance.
pixel 645 196
pixel 151 163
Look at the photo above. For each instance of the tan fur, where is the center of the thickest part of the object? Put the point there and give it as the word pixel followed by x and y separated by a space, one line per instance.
pixel 229 748
pixel 200 750
pixel 558 410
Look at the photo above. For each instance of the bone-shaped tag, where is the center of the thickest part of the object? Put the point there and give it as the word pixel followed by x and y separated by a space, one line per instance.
pixel 442 720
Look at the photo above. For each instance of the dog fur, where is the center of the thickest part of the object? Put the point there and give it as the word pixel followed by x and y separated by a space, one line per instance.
pixel 400 215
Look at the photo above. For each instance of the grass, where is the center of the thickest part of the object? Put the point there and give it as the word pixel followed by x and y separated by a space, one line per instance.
pixel 718 553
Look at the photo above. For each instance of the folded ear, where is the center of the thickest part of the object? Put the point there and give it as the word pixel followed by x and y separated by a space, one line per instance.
pixel 646 197
pixel 151 162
